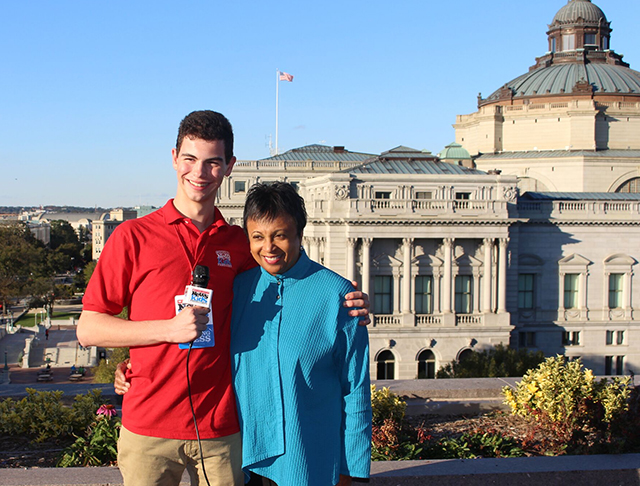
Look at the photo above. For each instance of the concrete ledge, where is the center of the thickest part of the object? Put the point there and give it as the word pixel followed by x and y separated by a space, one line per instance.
pixel 618 470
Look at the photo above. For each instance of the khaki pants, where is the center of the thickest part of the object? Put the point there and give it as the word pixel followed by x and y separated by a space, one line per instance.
pixel 151 461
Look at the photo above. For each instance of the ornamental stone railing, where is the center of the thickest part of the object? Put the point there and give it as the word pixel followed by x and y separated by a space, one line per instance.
pixel 310 165
pixel 476 319
pixel 387 320
pixel 407 207
pixel 589 210
pixel 428 319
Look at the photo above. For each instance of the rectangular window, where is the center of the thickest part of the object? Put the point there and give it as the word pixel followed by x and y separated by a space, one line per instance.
pixel 615 290
pixel 383 195
pixel 575 338
pixel 525 290
pixel 619 337
pixel 619 365
pixel 463 294
pixel 526 339
pixel 610 335
pixel 571 338
pixel 424 294
pixel 568 42
pixel 295 184
pixel 463 196
pixel 383 294
pixel 553 44
pixel 239 186
pixel 571 290
pixel 589 39
pixel 608 365
pixel 424 195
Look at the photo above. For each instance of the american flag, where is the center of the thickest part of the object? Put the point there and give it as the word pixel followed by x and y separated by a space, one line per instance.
pixel 285 77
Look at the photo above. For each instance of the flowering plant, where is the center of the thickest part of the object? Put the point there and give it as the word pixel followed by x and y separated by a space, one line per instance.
pixel 108 410
pixel 98 446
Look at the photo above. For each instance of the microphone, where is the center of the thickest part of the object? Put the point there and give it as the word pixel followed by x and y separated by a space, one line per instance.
pixel 200 276
pixel 199 295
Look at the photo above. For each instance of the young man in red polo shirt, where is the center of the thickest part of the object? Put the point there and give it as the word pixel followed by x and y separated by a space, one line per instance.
pixel 145 265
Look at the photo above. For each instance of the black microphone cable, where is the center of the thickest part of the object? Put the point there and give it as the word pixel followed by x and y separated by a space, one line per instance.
pixel 200 279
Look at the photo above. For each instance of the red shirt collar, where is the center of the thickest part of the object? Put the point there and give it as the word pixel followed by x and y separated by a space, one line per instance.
pixel 172 215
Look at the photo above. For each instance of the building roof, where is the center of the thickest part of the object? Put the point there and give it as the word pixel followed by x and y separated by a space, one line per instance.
pixel 542 154
pixel 561 78
pixel 454 151
pixel 405 160
pixel 579 9
pixel 580 196
pixel 321 152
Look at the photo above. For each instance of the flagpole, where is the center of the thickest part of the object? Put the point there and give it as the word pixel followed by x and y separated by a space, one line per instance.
pixel 277 87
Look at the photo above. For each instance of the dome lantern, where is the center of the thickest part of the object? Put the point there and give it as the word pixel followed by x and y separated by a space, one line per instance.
pixel 580 24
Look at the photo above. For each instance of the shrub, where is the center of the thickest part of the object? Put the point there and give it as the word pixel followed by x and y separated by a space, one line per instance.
pixel 563 398
pixel 386 405
pixel 500 361
pixel 393 439
pixel 42 415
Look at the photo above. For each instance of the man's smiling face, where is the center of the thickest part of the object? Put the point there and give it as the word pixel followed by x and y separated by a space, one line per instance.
pixel 200 167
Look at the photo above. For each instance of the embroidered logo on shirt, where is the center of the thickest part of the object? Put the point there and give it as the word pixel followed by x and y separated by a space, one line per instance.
pixel 224 258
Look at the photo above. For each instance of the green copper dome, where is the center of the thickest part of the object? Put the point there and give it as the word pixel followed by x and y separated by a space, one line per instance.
pixel 454 151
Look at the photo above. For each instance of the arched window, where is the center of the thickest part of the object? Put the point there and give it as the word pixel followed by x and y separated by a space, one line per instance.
pixel 632 185
pixel 426 365
pixel 386 366
pixel 467 353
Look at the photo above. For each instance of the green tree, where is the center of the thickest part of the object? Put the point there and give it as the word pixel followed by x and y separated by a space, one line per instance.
pixel 104 372
pixel 500 361
pixel 66 249
pixel 23 259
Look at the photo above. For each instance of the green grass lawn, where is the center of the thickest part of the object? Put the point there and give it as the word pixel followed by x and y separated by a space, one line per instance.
pixel 28 320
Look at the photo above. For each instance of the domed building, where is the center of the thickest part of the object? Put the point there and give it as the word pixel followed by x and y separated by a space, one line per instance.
pixel 572 122
pixel 454 153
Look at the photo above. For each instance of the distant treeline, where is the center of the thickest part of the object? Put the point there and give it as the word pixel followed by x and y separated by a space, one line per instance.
pixel 54 209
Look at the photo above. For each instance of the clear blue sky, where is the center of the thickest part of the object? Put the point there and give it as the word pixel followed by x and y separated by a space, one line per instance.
pixel 92 91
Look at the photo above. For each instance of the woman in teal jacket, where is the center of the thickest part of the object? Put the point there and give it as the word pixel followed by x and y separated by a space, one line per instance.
pixel 300 363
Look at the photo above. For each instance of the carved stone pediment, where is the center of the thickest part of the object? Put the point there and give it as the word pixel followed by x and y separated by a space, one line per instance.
pixel 467 260
pixel 575 259
pixel 582 87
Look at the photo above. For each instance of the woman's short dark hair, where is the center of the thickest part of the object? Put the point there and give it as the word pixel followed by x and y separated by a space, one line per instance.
pixel 269 201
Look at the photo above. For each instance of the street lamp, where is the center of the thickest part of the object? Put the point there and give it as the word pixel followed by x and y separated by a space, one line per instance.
pixel 6 365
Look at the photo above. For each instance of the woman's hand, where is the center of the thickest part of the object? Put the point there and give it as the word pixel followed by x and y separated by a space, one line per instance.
pixel 120 383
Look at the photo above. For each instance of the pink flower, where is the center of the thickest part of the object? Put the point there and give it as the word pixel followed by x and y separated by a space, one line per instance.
pixel 108 410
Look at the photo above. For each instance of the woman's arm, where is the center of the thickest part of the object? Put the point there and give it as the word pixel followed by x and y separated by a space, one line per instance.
pixel 353 349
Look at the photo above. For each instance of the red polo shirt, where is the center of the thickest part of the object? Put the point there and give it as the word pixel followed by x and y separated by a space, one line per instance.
pixel 145 263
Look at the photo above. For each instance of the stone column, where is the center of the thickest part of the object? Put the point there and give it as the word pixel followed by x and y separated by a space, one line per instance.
pixel 626 294
pixel 437 277
pixel 476 291
pixel 487 277
pixel 366 264
pixel 561 276
pixel 396 290
pixel 502 275
pixel 447 281
pixel 407 244
pixel 351 248
pixel 315 249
